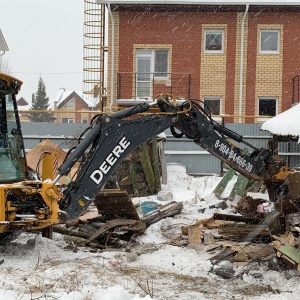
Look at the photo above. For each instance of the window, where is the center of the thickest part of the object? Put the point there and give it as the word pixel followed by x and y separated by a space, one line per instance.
pixel 67 120
pixel 214 41
pixel 269 41
pixel 84 120
pixel 70 104
pixel 150 65
pixel 161 63
pixel 212 105
pixel 267 107
pixel 152 61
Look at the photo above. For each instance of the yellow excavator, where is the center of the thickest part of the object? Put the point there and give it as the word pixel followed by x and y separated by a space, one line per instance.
pixel 24 203
pixel 27 204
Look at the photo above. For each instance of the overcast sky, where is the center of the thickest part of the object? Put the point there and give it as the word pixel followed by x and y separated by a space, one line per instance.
pixel 45 38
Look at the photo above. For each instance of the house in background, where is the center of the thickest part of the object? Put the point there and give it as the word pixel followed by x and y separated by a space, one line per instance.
pixel 242 60
pixel 72 107
pixel 23 107
pixel 67 107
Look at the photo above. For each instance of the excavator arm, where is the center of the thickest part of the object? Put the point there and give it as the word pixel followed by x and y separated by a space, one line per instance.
pixel 111 138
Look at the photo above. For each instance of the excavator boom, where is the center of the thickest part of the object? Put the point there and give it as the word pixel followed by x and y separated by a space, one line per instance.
pixel 112 138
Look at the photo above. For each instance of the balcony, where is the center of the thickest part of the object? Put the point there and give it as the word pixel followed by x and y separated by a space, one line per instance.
pixel 144 87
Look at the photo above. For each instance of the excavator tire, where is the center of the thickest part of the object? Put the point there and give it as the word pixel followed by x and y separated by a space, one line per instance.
pixel 7 237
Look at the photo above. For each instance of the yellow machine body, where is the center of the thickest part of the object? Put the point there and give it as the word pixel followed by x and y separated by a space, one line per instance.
pixel 28 205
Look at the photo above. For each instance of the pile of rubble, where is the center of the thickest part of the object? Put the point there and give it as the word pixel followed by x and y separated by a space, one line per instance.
pixel 242 240
pixel 114 221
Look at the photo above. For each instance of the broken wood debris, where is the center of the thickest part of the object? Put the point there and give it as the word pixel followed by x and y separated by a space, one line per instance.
pixel 231 227
pixel 288 248
pixel 241 254
pixel 245 232
pixel 237 218
pixel 101 234
pixel 114 221
pixel 168 210
pixel 252 237
pixel 123 224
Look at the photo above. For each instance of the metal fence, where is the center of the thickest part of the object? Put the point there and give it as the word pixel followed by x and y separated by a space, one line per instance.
pixel 182 151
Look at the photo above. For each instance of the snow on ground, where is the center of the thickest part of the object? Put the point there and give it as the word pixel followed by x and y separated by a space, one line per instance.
pixel 34 267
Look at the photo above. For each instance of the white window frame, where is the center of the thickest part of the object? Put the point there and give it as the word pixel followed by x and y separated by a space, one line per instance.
pixel 70 120
pixel 70 104
pixel 212 31
pixel 208 98
pixel 263 118
pixel 278 42
pixel 152 55
pixel 149 55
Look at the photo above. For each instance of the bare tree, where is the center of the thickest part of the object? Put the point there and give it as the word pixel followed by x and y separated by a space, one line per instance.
pixel 5 66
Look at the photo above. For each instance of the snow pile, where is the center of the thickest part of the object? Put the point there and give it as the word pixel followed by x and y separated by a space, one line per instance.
pixel 286 123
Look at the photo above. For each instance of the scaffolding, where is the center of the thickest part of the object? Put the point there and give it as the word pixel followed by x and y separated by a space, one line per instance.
pixel 94 53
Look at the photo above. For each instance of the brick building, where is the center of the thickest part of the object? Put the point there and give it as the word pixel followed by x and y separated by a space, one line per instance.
pixel 72 107
pixel 241 59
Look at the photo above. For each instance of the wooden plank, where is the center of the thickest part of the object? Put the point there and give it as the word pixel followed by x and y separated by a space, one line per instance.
pixel 235 218
pixel 147 167
pixel 133 177
pixel 223 183
pixel 156 164
pixel 291 252
pixel 67 231
pixel 165 211
pixel 110 225
pixel 225 254
pixel 194 235
pixel 239 187
pixel 245 232
pixel 235 187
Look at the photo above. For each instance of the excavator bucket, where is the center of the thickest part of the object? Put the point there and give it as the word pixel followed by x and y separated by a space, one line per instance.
pixel 114 204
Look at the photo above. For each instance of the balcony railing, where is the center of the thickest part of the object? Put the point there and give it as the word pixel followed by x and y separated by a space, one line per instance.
pixel 146 86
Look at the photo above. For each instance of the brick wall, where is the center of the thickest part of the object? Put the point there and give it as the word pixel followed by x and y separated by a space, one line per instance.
pixel 213 71
pixel 214 74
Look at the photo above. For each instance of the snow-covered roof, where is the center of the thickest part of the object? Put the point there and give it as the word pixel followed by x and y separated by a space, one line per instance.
pixel 286 123
pixel 62 95
pixel 21 104
pixel 202 2
pixel 3 45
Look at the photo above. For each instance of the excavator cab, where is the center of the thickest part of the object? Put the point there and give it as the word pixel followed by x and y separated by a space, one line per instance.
pixel 12 151
pixel 25 204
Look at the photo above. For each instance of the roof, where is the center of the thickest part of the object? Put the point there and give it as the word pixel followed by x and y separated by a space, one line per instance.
pixel 3 45
pixel 286 123
pixel 64 95
pixel 22 106
pixel 202 2
pixel 22 102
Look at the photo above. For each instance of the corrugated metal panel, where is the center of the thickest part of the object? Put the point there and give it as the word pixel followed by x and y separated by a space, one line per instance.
pixel 196 163
pixel 64 135
pixel 183 151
